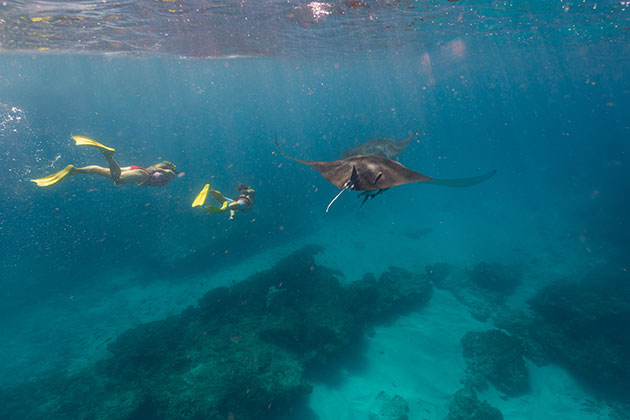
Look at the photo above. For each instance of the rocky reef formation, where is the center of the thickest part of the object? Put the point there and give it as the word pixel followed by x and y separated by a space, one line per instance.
pixel 583 326
pixel 392 408
pixel 498 358
pixel 243 353
pixel 495 277
pixel 466 406
pixel 482 289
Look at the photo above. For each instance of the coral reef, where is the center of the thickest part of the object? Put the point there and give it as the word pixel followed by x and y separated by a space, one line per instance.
pixel 495 277
pixel 466 406
pixel 392 408
pixel 498 358
pixel 244 353
pixel 583 326
pixel 482 290
pixel 396 292
pixel 519 324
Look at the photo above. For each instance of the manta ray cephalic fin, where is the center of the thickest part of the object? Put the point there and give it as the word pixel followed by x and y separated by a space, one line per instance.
pixel 349 185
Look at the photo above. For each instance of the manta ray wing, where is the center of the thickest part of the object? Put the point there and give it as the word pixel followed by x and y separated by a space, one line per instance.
pixel 462 182
pixel 369 173
pixel 372 172
pixel 382 147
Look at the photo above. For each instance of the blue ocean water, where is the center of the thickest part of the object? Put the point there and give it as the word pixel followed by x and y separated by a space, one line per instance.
pixel 538 91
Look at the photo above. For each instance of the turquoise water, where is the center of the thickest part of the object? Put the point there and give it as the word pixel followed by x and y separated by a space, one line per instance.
pixel 538 92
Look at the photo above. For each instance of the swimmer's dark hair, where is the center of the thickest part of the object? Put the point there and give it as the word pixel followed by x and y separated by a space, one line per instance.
pixel 163 165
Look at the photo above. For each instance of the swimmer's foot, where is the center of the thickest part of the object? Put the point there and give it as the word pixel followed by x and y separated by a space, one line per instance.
pixel 84 141
pixel 55 178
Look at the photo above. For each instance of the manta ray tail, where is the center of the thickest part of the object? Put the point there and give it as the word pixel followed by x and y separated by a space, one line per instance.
pixel 284 154
pixel 462 182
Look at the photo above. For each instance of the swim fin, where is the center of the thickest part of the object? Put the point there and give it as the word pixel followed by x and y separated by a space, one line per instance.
pixel 215 209
pixel 201 197
pixel 84 141
pixel 49 180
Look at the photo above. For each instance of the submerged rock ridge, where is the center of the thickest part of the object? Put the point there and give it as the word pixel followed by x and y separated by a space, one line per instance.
pixel 495 277
pixel 583 326
pixel 466 406
pixel 243 353
pixel 482 289
pixel 391 408
pixel 498 358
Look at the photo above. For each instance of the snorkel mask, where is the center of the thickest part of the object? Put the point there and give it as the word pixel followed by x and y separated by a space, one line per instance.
pixel 169 166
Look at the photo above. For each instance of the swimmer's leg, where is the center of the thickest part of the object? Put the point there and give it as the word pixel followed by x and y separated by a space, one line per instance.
pixel 92 169
pixel 217 195
pixel 114 167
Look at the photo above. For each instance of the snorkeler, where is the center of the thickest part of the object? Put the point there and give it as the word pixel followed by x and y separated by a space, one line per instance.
pixel 157 175
pixel 243 202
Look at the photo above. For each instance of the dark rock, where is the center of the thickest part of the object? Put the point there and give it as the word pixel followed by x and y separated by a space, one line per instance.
pixel 466 406
pixel 495 277
pixel 242 354
pixel 392 408
pixel 617 410
pixel 519 324
pixel 482 290
pixel 481 303
pixel 438 273
pixel 497 357
pixel 584 327
pixel 397 292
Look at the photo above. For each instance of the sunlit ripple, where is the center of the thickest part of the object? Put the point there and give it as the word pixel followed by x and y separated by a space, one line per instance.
pixel 198 28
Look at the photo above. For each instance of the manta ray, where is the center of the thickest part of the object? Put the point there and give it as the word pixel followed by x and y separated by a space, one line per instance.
pixel 386 148
pixel 376 173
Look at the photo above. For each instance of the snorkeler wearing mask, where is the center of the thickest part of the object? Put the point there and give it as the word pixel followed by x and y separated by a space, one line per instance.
pixel 156 175
pixel 243 202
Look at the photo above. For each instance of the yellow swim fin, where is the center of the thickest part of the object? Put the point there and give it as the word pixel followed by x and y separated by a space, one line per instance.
pixel 49 180
pixel 84 141
pixel 215 209
pixel 201 197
